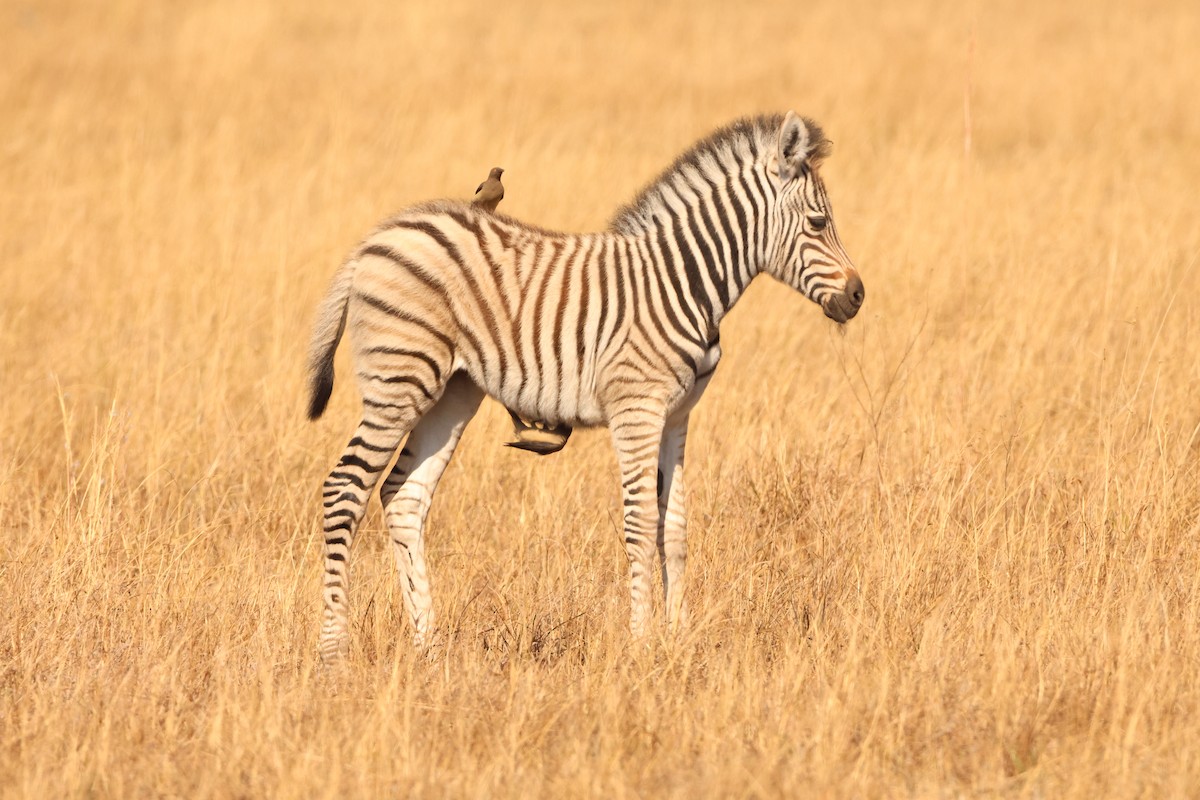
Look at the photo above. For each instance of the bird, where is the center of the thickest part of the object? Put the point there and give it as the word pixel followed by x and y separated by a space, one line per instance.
pixel 538 437
pixel 490 192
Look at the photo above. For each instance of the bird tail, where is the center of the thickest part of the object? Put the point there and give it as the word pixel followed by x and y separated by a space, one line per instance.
pixel 327 332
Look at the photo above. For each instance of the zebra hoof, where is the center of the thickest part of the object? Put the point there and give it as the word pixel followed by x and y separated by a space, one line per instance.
pixel 334 648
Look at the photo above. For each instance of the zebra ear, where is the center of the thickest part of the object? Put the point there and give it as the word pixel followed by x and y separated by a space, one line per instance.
pixel 794 144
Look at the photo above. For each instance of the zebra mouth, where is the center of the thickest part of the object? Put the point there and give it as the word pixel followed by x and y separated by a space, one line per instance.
pixel 839 309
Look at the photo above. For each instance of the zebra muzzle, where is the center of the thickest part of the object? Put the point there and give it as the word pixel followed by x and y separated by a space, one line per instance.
pixel 842 306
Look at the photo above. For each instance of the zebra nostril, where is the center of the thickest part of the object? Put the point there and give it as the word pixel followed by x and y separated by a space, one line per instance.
pixel 856 291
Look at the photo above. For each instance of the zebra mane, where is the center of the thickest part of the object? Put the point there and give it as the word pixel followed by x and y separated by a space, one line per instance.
pixel 747 136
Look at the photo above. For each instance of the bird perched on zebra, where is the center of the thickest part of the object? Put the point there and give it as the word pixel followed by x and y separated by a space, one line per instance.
pixel 447 303
pixel 532 435
pixel 489 193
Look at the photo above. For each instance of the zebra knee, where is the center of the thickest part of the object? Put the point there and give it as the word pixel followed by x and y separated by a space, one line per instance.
pixel 406 509
pixel 405 512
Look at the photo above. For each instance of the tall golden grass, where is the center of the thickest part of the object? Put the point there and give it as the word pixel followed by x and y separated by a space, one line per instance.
pixel 952 551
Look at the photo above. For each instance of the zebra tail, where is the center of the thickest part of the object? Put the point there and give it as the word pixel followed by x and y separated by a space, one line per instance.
pixel 327 332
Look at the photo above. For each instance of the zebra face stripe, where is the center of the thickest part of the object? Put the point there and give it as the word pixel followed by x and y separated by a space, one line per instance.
pixel 809 254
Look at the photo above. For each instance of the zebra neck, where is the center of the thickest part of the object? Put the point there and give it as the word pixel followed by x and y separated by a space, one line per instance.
pixel 703 268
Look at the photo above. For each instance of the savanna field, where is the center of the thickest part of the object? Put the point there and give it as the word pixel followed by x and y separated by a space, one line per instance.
pixel 949 551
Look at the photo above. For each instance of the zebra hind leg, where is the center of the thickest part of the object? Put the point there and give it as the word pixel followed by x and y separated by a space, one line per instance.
pixel 408 492
pixel 345 496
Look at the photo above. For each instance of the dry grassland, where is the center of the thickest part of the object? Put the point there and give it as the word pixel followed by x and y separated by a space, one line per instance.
pixel 952 552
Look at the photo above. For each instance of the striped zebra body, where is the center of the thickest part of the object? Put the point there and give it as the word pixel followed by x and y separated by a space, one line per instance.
pixel 552 326
pixel 448 302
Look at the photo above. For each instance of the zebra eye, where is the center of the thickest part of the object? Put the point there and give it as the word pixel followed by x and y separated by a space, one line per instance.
pixel 818 223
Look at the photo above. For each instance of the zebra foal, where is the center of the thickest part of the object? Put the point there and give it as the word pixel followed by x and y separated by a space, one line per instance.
pixel 448 302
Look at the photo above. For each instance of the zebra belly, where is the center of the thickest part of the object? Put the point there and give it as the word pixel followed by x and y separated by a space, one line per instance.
pixel 543 398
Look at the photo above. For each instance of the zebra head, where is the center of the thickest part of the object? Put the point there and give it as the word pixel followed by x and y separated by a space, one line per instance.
pixel 808 255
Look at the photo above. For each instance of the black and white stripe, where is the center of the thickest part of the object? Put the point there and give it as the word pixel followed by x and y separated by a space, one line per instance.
pixel 447 302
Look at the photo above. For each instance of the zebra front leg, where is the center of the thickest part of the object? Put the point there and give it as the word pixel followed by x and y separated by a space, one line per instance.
pixel 636 436
pixel 672 522
pixel 408 492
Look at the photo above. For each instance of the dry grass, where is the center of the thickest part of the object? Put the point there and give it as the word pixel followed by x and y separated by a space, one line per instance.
pixel 952 552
